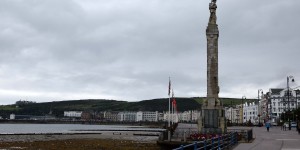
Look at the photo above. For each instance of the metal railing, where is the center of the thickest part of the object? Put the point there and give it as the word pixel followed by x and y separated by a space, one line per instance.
pixel 217 143
pixel 244 135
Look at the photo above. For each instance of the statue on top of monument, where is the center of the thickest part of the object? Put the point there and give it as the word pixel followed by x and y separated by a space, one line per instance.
pixel 213 8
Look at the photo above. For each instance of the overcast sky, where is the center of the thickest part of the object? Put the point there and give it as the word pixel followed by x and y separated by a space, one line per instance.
pixel 55 50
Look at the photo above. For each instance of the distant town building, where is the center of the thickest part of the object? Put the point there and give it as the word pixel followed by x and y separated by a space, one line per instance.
pixel 185 116
pixel 110 116
pixel 232 114
pixel 74 114
pixel 175 117
pixel 30 117
pixel 127 116
pixel 139 116
pixel 281 100
pixel 86 116
pixel 195 115
pixel 12 116
pixel 188 116
pixel 250 112
pixel 160 116
pixel 150 116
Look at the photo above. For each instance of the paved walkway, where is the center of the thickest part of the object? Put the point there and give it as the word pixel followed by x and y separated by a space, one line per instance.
pixel 276 139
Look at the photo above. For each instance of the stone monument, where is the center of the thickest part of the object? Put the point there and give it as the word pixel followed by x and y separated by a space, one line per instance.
pixel 212 118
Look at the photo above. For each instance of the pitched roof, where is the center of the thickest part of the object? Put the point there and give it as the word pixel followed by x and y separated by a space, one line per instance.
pixel 276 91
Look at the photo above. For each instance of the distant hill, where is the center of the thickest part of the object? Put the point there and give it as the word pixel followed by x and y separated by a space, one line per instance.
pixel 58 107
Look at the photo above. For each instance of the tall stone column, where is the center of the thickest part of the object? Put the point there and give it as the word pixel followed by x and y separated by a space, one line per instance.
pixel 212 119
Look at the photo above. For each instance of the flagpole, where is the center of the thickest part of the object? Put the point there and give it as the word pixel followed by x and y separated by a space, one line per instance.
pixel 172 111
pixel 169 133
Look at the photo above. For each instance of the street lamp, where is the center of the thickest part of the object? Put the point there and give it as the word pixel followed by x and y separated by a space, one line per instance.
pixel 288 94
pixel 260 90
pixel 243 98
pixel 231 113
pixel 268 97
pixel 297 92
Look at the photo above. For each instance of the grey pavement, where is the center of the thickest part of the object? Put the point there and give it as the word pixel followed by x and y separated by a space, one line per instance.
pixel 275 139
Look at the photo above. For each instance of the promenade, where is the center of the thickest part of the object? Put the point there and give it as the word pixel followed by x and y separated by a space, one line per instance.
pixel 275 139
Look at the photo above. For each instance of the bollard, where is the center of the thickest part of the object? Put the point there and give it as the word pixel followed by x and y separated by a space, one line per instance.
pixel 184 136
pixel 205 144
pixel 231 139
pixel 219 142
pixel 195 145
pixel 212 143
pixel 222 139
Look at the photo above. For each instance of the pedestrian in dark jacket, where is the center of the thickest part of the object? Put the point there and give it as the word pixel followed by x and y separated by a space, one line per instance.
pixel 298 127
pixel 268 125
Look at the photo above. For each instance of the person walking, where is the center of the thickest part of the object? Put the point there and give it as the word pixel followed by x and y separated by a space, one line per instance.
pixel 268 125
pixel 298 127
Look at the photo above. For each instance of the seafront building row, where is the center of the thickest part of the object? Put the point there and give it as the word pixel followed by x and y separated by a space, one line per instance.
pixel 123 116
pixel 268 107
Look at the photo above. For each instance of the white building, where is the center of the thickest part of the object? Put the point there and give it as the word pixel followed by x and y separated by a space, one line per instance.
pixel 174 116
pixel 232 114
pixel 186 116
pixel 139 116
pixel 160 116
pixel 152 116
pixel 127 116
pixel 195 115
pixel 280 101
pixel 250 112
pixel 75 114
pixel 12 116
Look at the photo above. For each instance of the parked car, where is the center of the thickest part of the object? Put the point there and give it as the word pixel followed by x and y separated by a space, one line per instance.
pixel 286 124
pixel 293 124
pixel 274 124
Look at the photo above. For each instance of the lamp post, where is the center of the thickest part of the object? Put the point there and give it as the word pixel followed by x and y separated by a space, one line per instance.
pixel 288 94
pixel 231 113
pixel 268 95
pixel 260 90
pixel 270 102
pixel 243 98
pixel 297 92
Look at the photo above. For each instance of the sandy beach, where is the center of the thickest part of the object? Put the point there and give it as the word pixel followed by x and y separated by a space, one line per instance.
pixel 105 140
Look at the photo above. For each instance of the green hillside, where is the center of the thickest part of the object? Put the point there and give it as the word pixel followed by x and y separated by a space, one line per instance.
pixel 58 107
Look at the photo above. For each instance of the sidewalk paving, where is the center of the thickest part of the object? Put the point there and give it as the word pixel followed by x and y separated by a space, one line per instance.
pixel 275 139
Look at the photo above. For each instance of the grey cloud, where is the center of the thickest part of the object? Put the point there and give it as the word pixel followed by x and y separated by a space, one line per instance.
pixel 55 50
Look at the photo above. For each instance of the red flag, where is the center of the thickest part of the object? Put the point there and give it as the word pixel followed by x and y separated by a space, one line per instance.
pixel 174 102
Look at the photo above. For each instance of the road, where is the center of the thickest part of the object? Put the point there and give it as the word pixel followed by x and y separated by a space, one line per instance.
pixel 275 139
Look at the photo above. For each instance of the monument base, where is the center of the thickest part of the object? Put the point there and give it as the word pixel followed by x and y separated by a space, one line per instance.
pixel 212 119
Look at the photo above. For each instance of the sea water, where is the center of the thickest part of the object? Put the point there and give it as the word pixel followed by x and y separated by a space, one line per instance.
pixel 63 128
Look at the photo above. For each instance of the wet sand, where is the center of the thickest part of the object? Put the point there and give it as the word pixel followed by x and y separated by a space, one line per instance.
pixel 83 141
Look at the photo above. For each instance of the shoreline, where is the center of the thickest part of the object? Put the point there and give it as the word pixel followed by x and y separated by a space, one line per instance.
pixel 148 124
